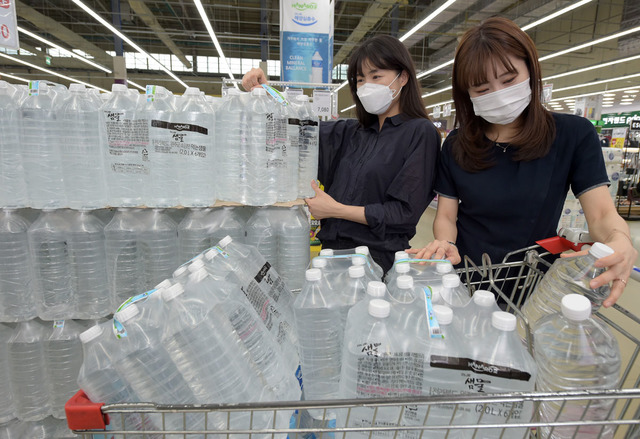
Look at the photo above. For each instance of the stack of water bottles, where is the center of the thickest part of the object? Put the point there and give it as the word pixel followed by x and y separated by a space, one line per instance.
pixel 70 148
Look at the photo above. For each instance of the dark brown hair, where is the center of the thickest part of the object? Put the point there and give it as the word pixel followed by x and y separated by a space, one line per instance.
pixel 496 39
pixel 388 53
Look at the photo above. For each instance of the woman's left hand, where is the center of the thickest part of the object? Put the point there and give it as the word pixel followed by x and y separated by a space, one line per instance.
pixel 322 205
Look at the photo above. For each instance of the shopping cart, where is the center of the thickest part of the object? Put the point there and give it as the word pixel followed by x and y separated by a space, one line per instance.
pixel 512 280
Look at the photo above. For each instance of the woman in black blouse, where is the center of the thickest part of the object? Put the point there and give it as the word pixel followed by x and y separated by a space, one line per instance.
pixel 378 171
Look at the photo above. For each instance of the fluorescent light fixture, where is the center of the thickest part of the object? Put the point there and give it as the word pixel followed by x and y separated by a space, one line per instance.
pixel 626 103
pixel 584 95
pixel 127 40
pixel 439 103
pixel 590 43
pixel 426 95
pixel 632 91
pixel 17 78
pixel 50 72
pixel 555 14
pixel 604 81
pixel 429 17
pixel 609 95
pixel 62 49
pixel 342 85
pixel 136 85
pixel 348 108
pixel 212 34
pixel 435 69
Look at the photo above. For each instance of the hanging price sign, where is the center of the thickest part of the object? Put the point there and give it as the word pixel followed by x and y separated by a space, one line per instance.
pixel 322 102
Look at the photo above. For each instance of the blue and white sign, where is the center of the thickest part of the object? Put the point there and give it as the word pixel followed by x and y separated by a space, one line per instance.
pixel 306 40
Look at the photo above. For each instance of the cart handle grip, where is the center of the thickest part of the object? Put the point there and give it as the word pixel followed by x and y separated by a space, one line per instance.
pixel 558 244
pixel 82 414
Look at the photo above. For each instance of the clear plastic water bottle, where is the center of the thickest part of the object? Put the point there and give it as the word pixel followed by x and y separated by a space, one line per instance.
pixel 369 271
pixel 82 156
pixel 53 277
pixel 194 132
pixel 474 320
pixel 288 174
pixel 7 408
pixel 408 307
pixel 163 189
pixel 87 254
pixel 293 246
pixel 567 276
pixel 12 429
pixel 453 292
pixel 124 137
pixel 17 301
pixel 63 357
pixel 13 188
pixel 401 269
pixel 359 311
pixel 364 250
pixel 232 135
pixel 40 136
pixel 308 143
pixel 261 180
pixel 27 371
pixel 576 351
pixel 262 232
pixel 159 238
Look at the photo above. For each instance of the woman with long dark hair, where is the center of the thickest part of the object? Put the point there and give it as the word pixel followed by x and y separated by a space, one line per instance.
pixel 505 172
pixel 378 171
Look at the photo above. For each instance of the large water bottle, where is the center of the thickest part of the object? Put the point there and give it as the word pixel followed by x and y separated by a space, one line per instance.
pixel 13 188
pixel 262 232
pixel 293 246
pixel 364 250
pixel 474 320
pixel 288 174
pixel 453 292
pixel 17 301
pixel 201 229
pixel 567 276
pixel 231 129
pixel 53 286
pixel 7 408
pixel 261 180
pixel 163 189
pixel 63 356
pixel 40 135
pixel 408 307
pixel 193 131
pixel 87 254
pixel 27 371
pixel 124 137
pixel 576 351
pixel 308 144
pixel 82 156
pixel 159 241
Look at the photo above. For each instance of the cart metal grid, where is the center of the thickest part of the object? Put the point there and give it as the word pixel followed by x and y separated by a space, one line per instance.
pixel 511 279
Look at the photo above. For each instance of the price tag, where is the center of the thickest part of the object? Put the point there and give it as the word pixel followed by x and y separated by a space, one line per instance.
pixel 437 110
pixel 322 102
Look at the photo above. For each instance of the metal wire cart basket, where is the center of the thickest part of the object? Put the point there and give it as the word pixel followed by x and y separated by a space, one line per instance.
pixel 512 281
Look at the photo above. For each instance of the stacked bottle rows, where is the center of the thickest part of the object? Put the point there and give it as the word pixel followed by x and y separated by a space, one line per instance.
pixel 221 332
pixel 78 149
pixel 68 264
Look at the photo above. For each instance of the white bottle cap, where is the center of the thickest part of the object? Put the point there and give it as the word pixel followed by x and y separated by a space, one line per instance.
pixel 192 91
pixel 450 281
pixel 196 265
pixel 313 274
pixel 376 288
pixel 198 275
pixel 444 267
pixel 258 92
pixel 484 298
pixel 379 308
pixel 210 254
pixel 180 271
pixel 318 262
pixel 302 98
pixel 356 271
pixel 326 252
pixel 599 250
pixel 503 321
pixel 164 284
pixel 128 313
pixel 358 260
pixel 91 333
pixel 172 292
pixel 400 255
pixel 118 87
pixel 444 314
pixel 362 249
pixel 404 282
pixel 225 241
pixel 576 307
pixel 402 268
pixel 74 86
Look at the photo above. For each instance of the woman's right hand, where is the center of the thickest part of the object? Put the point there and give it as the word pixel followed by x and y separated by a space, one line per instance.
pixel 437 250
pixel 253 78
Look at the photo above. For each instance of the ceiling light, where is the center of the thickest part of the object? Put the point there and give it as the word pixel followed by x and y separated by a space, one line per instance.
pixel 212 34
pixel 607 105
pixel 609 95
pixel 136 85
pixel 590 43
pixel 348 108
pixel 17 78
pixel 62 49
pixel 127 40
pixel 604 81
pixel 439 103
pixel 426 95
pixel 424 22
pixel 626 103
pixel 555 14
pixel 632 91
pixel 50 72
pixel 435 69
pixel 595 93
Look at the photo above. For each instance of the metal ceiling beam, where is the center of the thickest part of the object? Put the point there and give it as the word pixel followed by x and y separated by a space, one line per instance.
pixel 72 39
pixel 150 20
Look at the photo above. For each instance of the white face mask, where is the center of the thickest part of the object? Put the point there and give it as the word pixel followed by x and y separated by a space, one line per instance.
pixel 503 106
pixel 376 98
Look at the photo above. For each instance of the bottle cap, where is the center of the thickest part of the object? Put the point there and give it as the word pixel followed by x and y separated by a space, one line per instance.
pixel 444 267
pixel 198 275
pixel 164 284
pixel 74 86
pixel 118 87
pixel 404 282
pixel 210 254
pixel 180 271
pixel 91 333
pixel 318 262
pixel 258 92
pixel 402 268
pixel 599 250
pixel 379 308
pixel 443 314
pixel 356 271
pixel 503 321
pixel 576 307
pixel 358 261
pixel 376 288
pixel 126 314
pixel 196 265
pixel 172 292
pixel 192 91
pixel 484 298
pixel 326 252
pixel 362 249
pixel 450 281
pixel 225 241
pixel 400 255
pixel 313 274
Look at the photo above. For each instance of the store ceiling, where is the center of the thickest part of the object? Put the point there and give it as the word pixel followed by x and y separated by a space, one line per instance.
pixel 174 26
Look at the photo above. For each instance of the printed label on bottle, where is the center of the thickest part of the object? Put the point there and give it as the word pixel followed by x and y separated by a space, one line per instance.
pixel 396 374
pixel 58 324
pixel 151 93
pixel 479 367
pixel 275 94
pixel 432 322
pixel 134 299
pixel 34 88
pixel 221 251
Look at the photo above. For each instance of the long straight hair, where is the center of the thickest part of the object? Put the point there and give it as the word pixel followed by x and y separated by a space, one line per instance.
pixel 495 40
pixel 387 53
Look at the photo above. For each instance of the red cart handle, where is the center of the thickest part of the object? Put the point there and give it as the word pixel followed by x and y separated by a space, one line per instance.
pixel 558 244
pixel 82 414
